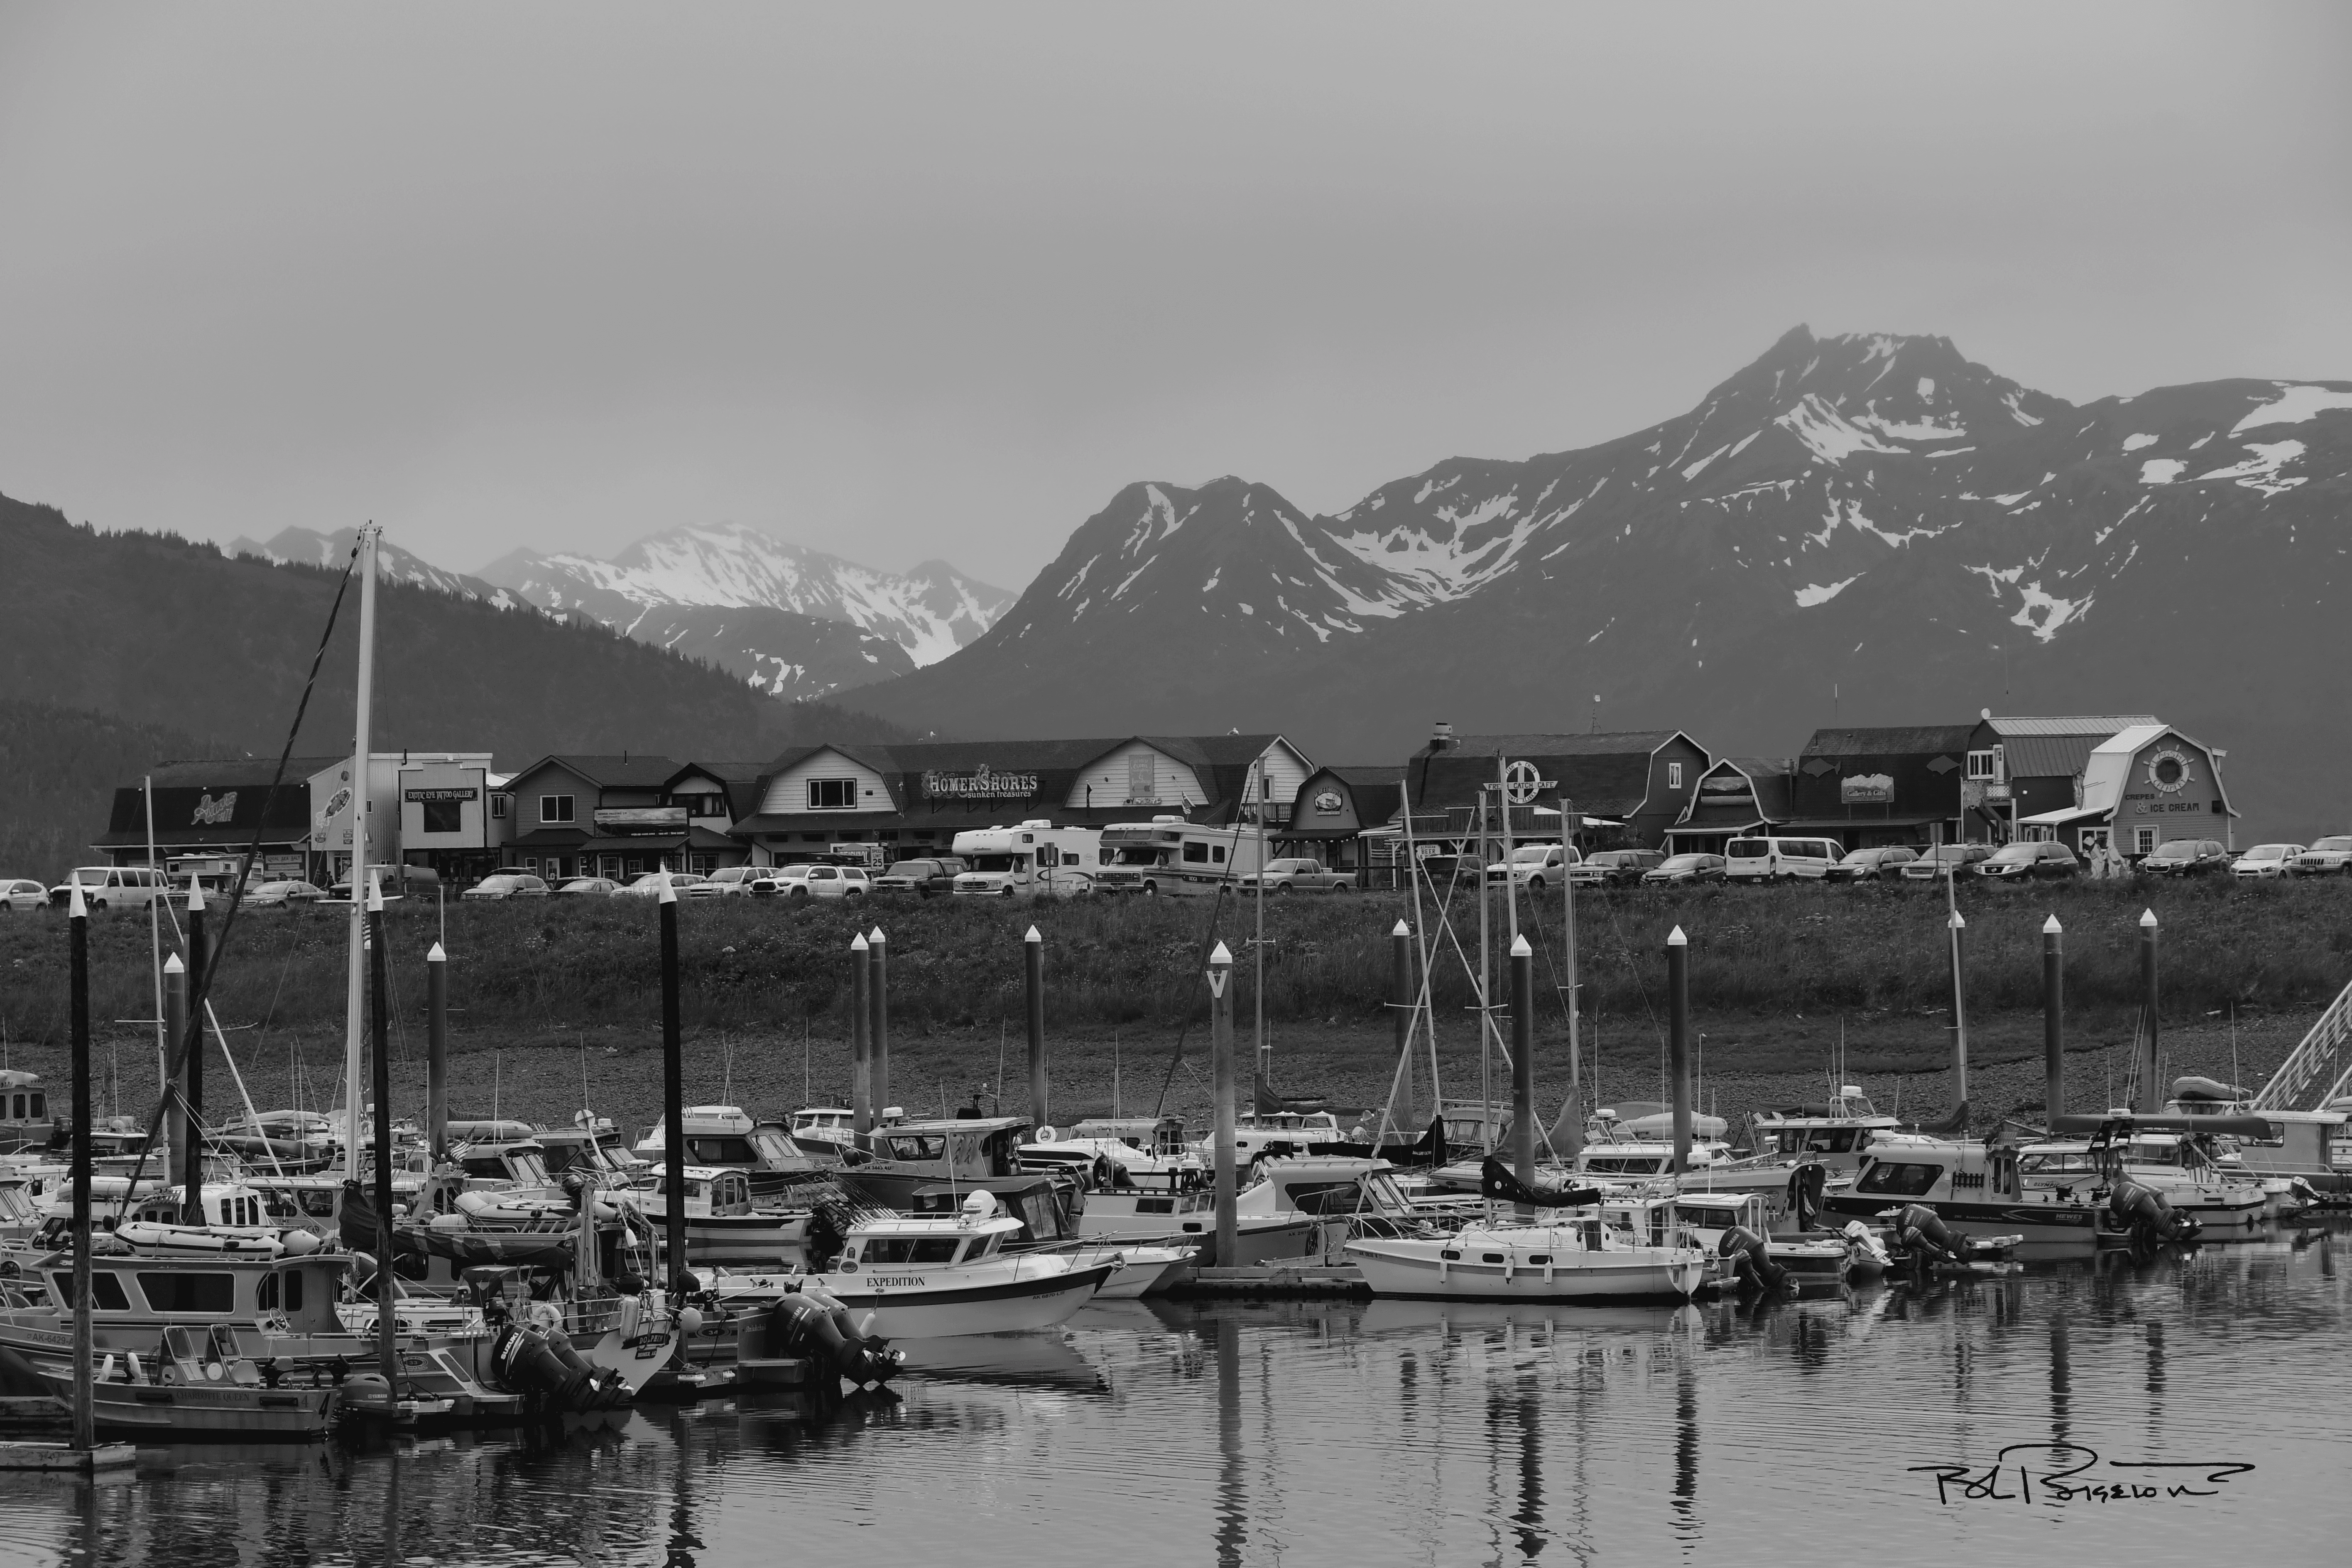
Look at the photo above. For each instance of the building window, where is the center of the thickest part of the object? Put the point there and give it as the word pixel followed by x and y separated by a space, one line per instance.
pixel 555 808
pixel 1142 779
pixel 444 816
pixel 1673 775
pixel 2145 837
pixel 636 865
pixel 832 795
pixel 497 808
pixel 1980 764
pixel 701 805
pixel 530 864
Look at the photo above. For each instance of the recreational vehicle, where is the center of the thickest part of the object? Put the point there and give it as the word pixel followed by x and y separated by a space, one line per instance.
pixel 1035 860
pixel 1170 854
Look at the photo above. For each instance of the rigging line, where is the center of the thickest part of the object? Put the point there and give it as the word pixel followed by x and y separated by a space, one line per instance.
pixel 1216 906
pixel 203 982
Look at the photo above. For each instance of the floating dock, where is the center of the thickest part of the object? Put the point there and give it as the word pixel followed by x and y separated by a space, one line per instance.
pixel 1284 1280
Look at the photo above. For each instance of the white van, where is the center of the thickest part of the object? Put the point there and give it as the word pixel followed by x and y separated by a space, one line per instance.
pixel 1035 860
pixel 1771 859
pixel 112 886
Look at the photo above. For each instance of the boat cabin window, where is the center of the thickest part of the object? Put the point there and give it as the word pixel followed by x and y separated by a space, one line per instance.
pixel 1829 1140
pixel 770 1147
pixel 2071 1162
pixel 1324 1198
pixel 719 1150
pixel 916 1145
pixel 319 1203
pixel 1040 1221
pixel 186 1291
pixel 106 1293
pixel 284 1288
pixel 908 1249
pixel 1898 1178
pixel 1623 1164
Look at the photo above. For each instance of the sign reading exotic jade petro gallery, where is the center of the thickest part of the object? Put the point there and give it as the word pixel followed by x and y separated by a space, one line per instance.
pixel 982 783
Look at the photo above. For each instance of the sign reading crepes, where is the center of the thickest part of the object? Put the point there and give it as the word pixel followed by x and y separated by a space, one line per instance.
pixel 982 783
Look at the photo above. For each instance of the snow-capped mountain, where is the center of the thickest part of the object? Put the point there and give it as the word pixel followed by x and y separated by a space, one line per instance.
pixel 1872 526
pixel 784 654
pixel 308 547
pixel 930 612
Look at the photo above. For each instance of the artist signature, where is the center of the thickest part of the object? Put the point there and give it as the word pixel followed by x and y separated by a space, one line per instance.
pixel 2055 1474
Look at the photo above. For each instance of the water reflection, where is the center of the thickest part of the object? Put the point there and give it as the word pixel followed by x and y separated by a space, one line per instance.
pixel 1364 1432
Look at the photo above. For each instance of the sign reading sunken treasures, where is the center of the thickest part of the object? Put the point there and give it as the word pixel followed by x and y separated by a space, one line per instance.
pixel 980 784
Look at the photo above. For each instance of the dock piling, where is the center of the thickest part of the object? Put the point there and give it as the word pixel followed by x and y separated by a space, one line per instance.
pixel 1033 972
pixel 192 1157
pixel 1401 1011
pixel 1959 928
pixel 861 1025
pixel 877 1033
pixel 2146 1094
pixel 1221 1050
pixel 387 1328
pixel 175 1028
pixel 2054 1019
pixel 436 1051
pixel 1678 1042
pixel 673 1101
pixel 85 1415
pixel 1523 1059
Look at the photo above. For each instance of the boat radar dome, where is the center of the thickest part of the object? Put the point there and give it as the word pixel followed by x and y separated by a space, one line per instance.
pixel 981 1204
pixel 1851 1090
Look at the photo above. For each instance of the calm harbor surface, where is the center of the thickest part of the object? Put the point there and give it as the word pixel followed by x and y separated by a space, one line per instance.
pixel 1823 1430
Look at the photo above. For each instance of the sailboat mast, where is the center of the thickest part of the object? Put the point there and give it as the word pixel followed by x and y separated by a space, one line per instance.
pixel 1575 1119
pixel 1265 1074
pixel 355 969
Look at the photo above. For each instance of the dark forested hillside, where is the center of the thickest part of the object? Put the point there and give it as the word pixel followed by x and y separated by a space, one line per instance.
pixel 123 648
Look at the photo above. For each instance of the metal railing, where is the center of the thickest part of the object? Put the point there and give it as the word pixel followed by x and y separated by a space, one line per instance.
pixel 2324 1057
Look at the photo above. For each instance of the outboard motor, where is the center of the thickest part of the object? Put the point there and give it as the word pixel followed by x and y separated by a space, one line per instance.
pixel 811 1321
pixel 2147 1215
pixel 1806 1183
pixel 530 1361
pixel 1920 1231
pixel 1752 1262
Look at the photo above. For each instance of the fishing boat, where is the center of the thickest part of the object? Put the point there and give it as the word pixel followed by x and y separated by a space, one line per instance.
pixel 723 1226
pixel 201 1385
pixel 1118 1151
pixel 1190 1215
pixel 820 1129
pixel 25 1124
pixel 592 1145
pixel 936 1277
pixel 1051 1212
pixel 1965 1184
pixel 2170 1163
pixel 1712 1219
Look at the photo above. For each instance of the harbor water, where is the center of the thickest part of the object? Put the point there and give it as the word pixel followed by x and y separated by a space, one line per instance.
pixel 2191 1406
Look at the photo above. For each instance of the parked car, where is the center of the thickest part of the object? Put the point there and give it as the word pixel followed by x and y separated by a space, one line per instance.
pixel 396 882
pixel 284 893
pixel 1308 876
pixel 830 882
pixel 112 887
pixel 1687 869
pixel 2029 862
pixel 1771 859
pixel 1882 863
pixel 2330 854
pixel 1616 868
pixel 590 886
pixel 1946 860
pixel 931 874
pixel 2185 858
pixel 735 882
pixel 648 884
pixel 19 894
pixel 507 885
pixel 2267 860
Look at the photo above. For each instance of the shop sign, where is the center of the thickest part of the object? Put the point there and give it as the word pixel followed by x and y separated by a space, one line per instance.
pixel 211 813
pixel 426 797
pixel 982 783
pixel 1329 803
pixel 2168 770
pixel 1866 789
pixel 641 820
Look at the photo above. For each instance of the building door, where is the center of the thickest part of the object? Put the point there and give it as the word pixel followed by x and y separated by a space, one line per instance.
pixel 2145 841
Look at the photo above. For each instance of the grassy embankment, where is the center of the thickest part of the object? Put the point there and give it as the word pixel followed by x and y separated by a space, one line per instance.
pixel 546 996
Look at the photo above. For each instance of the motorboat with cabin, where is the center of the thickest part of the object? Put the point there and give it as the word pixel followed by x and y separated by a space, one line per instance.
pixel 1118 1151
pixel 903 1277
pixel 2172 1163
pixel 724 1225
pixel 25 1124
pixel 835 1127
pixel 1965 1184
pixel 727 1135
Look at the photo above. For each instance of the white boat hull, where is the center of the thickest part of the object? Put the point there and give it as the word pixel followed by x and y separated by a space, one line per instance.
pixel 930 1304
pixel 1417 1267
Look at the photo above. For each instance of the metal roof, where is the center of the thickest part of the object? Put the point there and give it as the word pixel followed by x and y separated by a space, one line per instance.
pixel 1606 744
pixel 2094 726
pixel 1901 740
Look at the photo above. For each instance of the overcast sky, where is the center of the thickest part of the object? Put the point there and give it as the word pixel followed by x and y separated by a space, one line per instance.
pixel 900 282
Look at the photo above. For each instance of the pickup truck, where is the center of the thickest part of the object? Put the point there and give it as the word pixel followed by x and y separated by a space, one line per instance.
pixel 932 874
pixel 1300 876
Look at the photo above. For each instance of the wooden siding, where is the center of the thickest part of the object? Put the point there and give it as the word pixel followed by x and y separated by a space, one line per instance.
pixel 1105 782
pixel 788 791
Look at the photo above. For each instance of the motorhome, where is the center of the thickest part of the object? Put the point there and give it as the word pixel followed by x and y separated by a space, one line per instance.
pixel 1033 860
pixel 1170 854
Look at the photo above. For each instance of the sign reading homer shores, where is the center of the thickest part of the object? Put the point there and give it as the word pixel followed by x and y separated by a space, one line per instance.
pixel 982 783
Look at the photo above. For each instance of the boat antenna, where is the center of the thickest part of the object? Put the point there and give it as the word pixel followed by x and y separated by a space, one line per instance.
pixel 585 1110
pixel 497 1080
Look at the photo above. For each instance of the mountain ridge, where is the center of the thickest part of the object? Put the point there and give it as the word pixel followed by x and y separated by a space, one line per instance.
pixel 1861 524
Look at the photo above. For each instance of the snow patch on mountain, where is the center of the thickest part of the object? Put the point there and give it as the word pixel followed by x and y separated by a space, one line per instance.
pixel 1813 593
pixel 2294 404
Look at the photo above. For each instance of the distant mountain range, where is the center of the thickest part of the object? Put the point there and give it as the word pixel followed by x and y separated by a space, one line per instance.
pixel 795 623
pixel 1862 529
